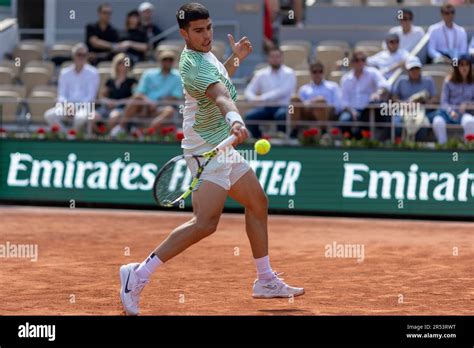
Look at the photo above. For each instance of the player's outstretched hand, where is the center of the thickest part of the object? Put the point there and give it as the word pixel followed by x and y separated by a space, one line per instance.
pixel 242 48
pixel 240 132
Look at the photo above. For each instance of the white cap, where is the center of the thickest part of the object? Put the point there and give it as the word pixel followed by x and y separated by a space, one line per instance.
pixel 413 62
pixel 145 6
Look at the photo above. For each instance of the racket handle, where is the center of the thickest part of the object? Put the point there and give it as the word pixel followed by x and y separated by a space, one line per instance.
pixel 226 143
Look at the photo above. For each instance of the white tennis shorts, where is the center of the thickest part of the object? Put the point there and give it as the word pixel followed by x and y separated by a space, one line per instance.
pixel 224 170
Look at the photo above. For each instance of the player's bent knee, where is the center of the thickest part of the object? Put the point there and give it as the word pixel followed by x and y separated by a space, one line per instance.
pixel 204 228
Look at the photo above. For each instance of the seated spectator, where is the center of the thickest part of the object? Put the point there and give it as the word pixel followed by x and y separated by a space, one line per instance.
pixel 387 61
pixel 135 41
pixel 117 91
pixel 414 88
pixel 408 33
pixel 156 85
pixel 77 91
pixel 274 84
pixel 325 94
pixel 360 86
pixel 457 101
pixel 447 39
pixel 102 37
pixel 146 16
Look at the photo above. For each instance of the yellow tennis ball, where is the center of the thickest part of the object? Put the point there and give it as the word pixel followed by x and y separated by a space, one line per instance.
pixel 262 146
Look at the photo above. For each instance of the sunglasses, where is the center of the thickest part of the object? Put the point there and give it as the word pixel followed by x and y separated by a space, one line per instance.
pixel 448 12
pixel 317 71
pixel 81 54
pixel 393 42
pixel 168 59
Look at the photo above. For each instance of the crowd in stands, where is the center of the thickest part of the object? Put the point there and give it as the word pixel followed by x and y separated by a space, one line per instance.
pixel 368 83
pixel 142 86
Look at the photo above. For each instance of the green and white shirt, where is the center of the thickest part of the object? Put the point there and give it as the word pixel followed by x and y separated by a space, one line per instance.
pixel 202 119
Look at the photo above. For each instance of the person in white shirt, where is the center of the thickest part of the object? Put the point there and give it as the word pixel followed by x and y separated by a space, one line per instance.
pixel 321 98
pixel 447 39
pixel 387 61
pixel 77 91
pixel 360 87
pixel 274 84
pixel 408 33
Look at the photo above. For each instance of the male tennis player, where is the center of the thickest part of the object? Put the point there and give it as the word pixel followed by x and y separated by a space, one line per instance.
pixel 210 115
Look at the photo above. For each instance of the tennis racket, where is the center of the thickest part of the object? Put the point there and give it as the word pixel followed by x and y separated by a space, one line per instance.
pixel 166 191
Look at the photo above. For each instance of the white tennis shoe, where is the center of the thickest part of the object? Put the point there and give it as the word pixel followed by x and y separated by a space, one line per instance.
pixel 275 288
pixel 130 288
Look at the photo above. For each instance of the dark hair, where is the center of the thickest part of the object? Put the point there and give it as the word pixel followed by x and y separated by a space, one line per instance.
pixel 456 77
pixel 131 14
pixel 447 7
pixel 317 64
pixel 101 6
pixel 358 53
pixel 193 11
pixel 406 11
pixel 273 49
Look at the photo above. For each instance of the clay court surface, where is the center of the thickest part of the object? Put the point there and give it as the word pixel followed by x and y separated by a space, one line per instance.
pixel 81 250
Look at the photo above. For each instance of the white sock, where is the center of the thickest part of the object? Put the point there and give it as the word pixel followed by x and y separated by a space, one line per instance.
pixel 439 129
pixel 264 271
pixel 148 267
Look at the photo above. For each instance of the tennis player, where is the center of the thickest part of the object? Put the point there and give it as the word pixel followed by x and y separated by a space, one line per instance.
pixel 210 115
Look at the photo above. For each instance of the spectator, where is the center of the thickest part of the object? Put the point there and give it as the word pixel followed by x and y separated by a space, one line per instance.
pixel 408 33
pixel 135 40
pixel 156 85
pixel 117 91
pixel 77 86
pixel 471 47
pixel 102 37
pixel 414 88
pixel 325 94
pixel 447 39
pixel 457 98
pixel 387 61
pixel 146 14
pixel 268 19
pixel 292 12
pixel 274 84
pixel 360 86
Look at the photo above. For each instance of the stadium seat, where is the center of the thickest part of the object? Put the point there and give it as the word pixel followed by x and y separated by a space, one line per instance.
pixel 336 76
pixel 41 99
pixel 27 53
pixel 417 2
pixel 34 76
pixel 300 43
pixel 302 78
pixel 368 47
pixel 104 65
pixel 347 3
pixel 34 42
pixel 11 65
pixel 179 44
pixel 329 55
pixel 295 57
pixel 337 43
pixel 446 68
pixel 49 66
pixel 438 79
pixel 382 2
pixel 60 52
pixel 218 48
pixel 10 100
pixel 6 75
